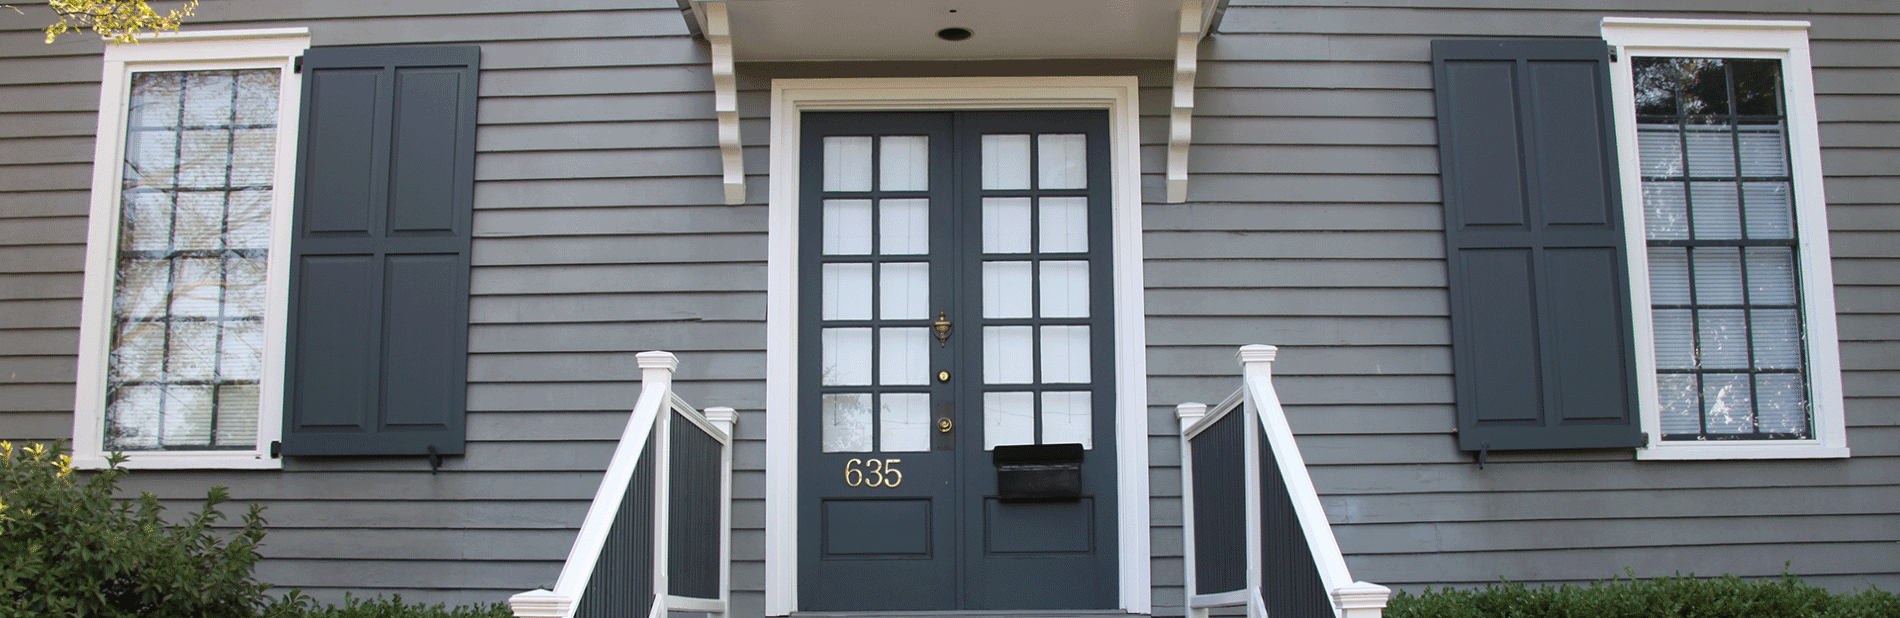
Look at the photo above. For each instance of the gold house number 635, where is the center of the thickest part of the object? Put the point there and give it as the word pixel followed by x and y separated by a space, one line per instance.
pixel 873 472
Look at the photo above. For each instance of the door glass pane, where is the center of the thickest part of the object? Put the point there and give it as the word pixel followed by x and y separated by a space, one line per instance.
pixel 1065 224
pixel 904 422
pixel 1006 290
pixel 904 291
pixel 1065 354
pixel 847 227
pixel 1065 289
pixel 904 163
pixel 847 163
pixel 1008 418
pixel 1062 161
pixel 903 227
pixel 903 356
pixel 1005 162
pixel 1008 355
pixel 847 291
pixel 846 418
pixel 1006 225
pixel 1066 418
pixel 847 356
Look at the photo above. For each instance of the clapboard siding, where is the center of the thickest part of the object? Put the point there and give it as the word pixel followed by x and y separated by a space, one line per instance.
pixel 1350 86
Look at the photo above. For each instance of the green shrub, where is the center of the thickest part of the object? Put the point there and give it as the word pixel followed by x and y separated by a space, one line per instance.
pixel 390 608
pixel 68 549
pixel 1672 597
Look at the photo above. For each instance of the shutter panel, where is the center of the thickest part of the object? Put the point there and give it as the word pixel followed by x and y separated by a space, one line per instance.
pixel 378 356
pixel 1541 327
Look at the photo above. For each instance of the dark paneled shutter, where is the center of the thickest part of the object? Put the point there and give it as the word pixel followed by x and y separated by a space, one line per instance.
pixel 378 354
pixel 1540 309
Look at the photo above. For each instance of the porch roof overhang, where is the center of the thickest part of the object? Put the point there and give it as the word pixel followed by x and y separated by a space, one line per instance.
pixel 898 30
pixel 794 30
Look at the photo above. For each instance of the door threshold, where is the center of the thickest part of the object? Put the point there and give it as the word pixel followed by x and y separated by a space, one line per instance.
pixel 988 613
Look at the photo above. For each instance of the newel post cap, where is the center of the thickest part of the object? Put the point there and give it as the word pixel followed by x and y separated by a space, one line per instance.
pixel 657 360
pixel 540 603
pixel 1257 353
pixel 1361 596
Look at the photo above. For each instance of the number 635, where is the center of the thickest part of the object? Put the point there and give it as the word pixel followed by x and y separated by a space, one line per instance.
pixel 873 472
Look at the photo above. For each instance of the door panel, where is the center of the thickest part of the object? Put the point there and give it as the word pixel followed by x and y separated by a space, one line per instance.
pixel 955 294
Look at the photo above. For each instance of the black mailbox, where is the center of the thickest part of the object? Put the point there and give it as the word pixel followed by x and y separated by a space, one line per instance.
pixel 1038 472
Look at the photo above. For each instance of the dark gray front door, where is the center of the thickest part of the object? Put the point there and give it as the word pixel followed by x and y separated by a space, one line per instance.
pixel 995 226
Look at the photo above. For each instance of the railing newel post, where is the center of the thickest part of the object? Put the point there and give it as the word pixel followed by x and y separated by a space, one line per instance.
pixel 1188 414
pixel 540 603
pixel 1361 600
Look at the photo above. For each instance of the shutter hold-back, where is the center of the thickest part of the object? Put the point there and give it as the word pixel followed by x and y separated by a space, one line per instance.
pixel 1484 452
pixel 435 460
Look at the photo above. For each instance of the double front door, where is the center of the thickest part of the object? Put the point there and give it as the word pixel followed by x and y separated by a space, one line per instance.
pixel 955 296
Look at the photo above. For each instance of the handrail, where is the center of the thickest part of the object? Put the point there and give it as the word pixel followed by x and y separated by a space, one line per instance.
pixel 656 417
pixel 1260 406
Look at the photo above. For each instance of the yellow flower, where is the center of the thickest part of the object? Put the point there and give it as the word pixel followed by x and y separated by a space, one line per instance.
pixel 65 465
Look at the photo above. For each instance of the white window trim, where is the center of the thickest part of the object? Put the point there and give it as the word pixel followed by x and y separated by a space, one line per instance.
pixel 1786 41
pixel 223 49
pixel 790 97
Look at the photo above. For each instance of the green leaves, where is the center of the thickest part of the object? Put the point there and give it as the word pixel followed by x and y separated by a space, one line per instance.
pixel 1678 596
pixel 67 548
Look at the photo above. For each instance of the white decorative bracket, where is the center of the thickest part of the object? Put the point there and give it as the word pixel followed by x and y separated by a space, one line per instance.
pixel 1195 19
pixel 718 29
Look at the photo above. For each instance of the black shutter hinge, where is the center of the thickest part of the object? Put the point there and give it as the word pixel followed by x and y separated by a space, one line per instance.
pixel 435 460
pixel 276 450
pixel 296 66
pixel 1613 55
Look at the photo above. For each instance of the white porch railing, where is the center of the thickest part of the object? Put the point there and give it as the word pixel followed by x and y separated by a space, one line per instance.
pixel 657 536
pixel 1252 485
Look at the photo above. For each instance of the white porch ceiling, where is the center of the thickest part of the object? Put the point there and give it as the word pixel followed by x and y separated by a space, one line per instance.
pixel 778 30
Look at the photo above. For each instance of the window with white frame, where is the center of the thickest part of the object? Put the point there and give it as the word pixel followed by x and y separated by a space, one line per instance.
pixel 1727 230
pixel 181 343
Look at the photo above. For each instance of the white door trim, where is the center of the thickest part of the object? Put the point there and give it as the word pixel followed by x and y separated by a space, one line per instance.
pixel 790 97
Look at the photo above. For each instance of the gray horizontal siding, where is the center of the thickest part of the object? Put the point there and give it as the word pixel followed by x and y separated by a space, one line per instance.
pixel 1324 113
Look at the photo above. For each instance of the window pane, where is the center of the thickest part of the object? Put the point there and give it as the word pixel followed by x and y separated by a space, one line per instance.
pixel 1007 291
pixel 1009 355
pixel 1006 225
pixel 903 421
pixel 1728 406
pixel 904 290
pixel 1064 224
pixel 904 163
pixel 1762 150
pixel 847 356
pixel 845 419
pixel 1769 209
pixel 1065 354
pixel 1681 404
pixel 1660 149
pixel 1710 150
pixel 1717 210
pixel 1669 275
pixel 1665 210
pixel 1008 418
pixel 1777 338
pixel 903 356
pixel 190 286
pixel 847 227
pixel 1675 339
pixel 847 163
pixel 903 227
pixel 1718 275
pixel 1067 418
pixel 1065 289
pixel 1781 400
pixel 1723 335
pixel 1771 275
pixel 1005 162
pixel 1062 161
pixel 847 291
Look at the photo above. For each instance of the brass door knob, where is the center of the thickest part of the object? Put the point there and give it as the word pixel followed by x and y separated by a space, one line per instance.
pixel 943 424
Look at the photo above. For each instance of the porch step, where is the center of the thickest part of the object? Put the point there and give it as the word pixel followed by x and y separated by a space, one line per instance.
pixel 1034 613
